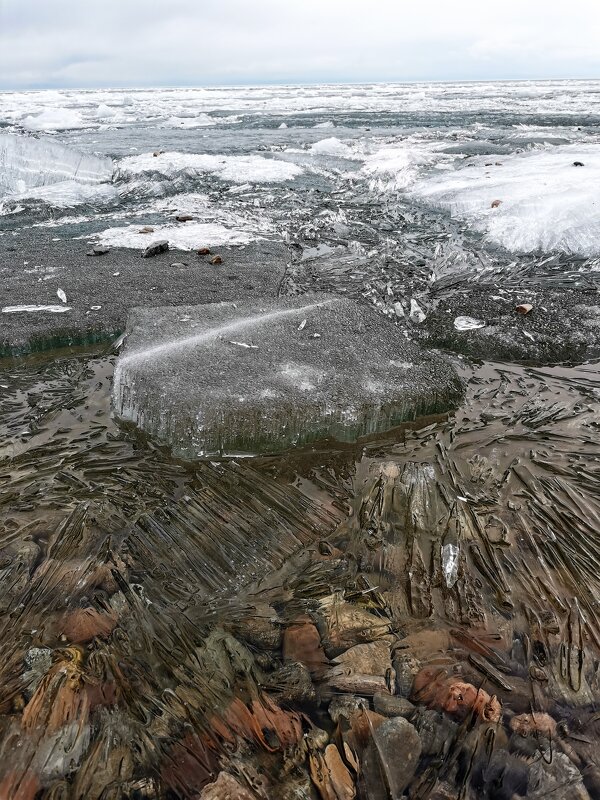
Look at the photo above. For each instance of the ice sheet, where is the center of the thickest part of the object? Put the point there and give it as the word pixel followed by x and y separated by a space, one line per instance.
pixel 27 162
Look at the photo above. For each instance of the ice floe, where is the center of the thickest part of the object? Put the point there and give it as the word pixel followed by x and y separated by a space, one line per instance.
pixel 188 236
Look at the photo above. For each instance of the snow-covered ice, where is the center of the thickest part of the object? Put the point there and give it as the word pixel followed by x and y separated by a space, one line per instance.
pixel 536 200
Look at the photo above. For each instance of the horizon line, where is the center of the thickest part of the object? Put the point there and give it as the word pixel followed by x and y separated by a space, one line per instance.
pixel 291 84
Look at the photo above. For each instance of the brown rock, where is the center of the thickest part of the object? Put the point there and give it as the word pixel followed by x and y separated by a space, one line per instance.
pixel 496 203
pixel 302 642
pixel 157 153
pixel 203 251
pixel 536 723
pixel 146 229
pixel 348 625
pixel 184 218
pixel 331 776
pixel 524 308
pixel 216 260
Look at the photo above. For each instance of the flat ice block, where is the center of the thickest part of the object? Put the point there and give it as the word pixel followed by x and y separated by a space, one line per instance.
pixel 261 377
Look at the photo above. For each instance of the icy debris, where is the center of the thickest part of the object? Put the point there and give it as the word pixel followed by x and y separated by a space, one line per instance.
pixel 450 563
pixel 332 147
pixel 61 295
pixel 243 344
pixel 328 124
pixel 468 323
pixel 49 309
pixel 416 314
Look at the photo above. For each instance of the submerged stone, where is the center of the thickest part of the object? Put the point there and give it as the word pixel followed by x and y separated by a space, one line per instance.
pixel 253 378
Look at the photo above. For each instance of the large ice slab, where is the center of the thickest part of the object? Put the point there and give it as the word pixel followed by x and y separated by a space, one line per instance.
pixel 27 162
pixel 538 200
pixel 251 378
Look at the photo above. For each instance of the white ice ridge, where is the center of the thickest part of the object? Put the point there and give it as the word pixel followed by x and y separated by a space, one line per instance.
pixel 538 200
pixel 238 169
pixel 190 236
pixel 214 333
pixel 27 162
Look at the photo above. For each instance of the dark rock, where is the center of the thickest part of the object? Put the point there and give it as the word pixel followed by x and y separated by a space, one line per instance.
pixel 203 251
pixel 291 684
pixel 155 248
pixel 437 731
pixel 391 705
pixel 345 706
pixel 496 203
pixel 146 229
pixel 184 218
pixel 392 753
pixel 578 164
pixel 557 778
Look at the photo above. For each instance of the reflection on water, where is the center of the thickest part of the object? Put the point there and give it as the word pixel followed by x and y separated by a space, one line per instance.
pixel 245 629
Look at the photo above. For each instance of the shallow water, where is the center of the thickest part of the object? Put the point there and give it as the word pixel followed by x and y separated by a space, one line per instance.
pixel 151 596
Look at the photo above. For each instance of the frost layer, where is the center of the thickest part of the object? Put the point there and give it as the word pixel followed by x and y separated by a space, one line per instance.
pixel 190 236
pixel 27 163
pixel 531 201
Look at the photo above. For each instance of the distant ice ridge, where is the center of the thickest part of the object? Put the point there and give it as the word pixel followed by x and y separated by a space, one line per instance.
pixel 56 119
pixel 531 201
pixel 237 169
pixel 42 168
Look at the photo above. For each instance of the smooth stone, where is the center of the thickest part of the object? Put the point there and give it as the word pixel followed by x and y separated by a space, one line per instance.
pixel 390 705
pixel 254 377
pixel 391 759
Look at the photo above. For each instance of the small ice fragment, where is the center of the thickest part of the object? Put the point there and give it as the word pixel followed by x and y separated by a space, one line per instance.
pixel 61 295
pixel 416 312
pixel 116 274
pixel 529 335
pixel 49 309
pixel 302 325
pixel 243 344
pixel 398 310
pixel 450 553
pixel 283 125
pixel 468 324
pixel 316 335
pixel 464 499
pixel 95 308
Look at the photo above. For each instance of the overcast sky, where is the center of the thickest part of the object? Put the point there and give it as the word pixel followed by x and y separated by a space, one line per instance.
pixel 79 43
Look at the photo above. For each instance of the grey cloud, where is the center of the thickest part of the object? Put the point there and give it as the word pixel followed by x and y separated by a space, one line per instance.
pixel 184 42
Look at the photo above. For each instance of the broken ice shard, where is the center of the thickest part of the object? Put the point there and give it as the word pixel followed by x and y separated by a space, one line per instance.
pixel 348 372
